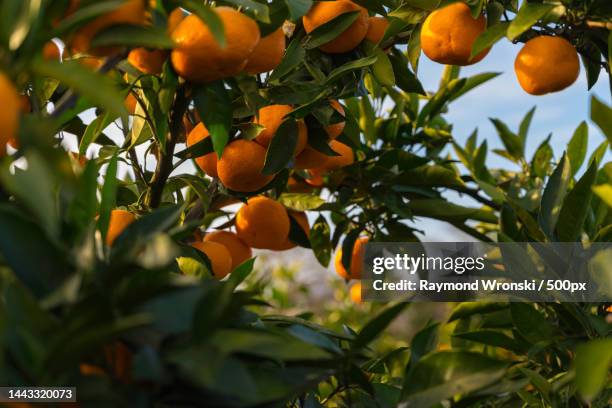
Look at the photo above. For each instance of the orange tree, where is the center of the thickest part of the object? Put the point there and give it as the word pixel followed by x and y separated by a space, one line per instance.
pixel 115 286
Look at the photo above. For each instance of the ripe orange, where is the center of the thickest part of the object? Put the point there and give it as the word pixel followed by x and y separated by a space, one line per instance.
pixel 9 114
pixel 239 251
pixel 119 220
pixel 25 107
pixel 240 166
pixel 310 158
pixel 448 35
pixel 356 260
pixel 197 56
pixel 316 177
pixel 208 162
pixel 51 51
pixel 174 19
pixel 218 255
pixel 271 117
pixel 130 102
pixel 376 29
pixel 302 220
pixel 336 129
pixel 262 223
pixel 325 11
pixel 546 64
pixel 131 12
pixel 148 61
pixel 347 156
pixel 267 54
pixel 355 292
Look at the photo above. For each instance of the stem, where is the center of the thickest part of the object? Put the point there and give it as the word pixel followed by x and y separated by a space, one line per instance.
pixel 164 159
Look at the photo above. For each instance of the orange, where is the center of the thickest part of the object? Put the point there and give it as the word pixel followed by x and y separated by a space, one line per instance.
pixel 448 35
pixel 148 61
pixel 347 156
pixel 267 54
pixel 356 260
pixel 336 129
pixel 119 220
pixel 51 51
pixel 218 255
pixel 546 64
pixel 262 223
pixel 9 114
pixel 91 62
pixel 199 58
pixel 297 186
pixel 131 12
pixel 25 106
pixel 302 220
pixel 174 19
pixel 208 162
pixel 240 166
pixel 325 11
pixel 376 29
pixel 271 117
pixel 130 102
pixel 316 178
pixel 310 158
pixel 239 251
pixel 355 292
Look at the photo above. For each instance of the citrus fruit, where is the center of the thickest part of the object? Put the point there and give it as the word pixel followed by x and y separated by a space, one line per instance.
pixel 208 162
pixel 148 61
pixel 325 11
pixel 218 255
pixel 240 166
pixel 198 57
pixel 119 220
pixel 449 33
pixel 355 292
pixel 302 220
pixel 239 251
pixel 334 130
pixel 262 223
pixel 357 257
pixel 271 117
pixel 267 54
pixel 546 64
pixel 9 114
pixel 51 51
pixel 376 29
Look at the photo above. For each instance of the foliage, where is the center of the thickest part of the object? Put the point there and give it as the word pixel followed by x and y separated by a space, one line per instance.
pixel 66 298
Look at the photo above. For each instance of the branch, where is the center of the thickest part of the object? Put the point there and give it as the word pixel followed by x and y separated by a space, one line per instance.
pixel 165 159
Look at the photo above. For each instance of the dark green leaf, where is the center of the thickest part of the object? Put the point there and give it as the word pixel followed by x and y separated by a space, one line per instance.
pixel 215 107
pixel 377 325
pixel 577 147
pixel 491 35
pixel 319 241
pixel 528 14
pixel 330 30
pixel 282 147
pixel 133 36
pixel 209 17
pixel 602 116
pixel 576 207
pixel 592 367
pixel 553 196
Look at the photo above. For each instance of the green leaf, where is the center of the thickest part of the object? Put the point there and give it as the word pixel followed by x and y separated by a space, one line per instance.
pixel 489 37
pixel 298 8
pixel 442 375
pixel 467 309
pixel 282 147
pixel 301 202
pixel 599 153
pixel 330 30
pixel 383 69
pixel 576 207
pixel 84 14
pixel 215 108
pixel 530 323
pixel 143 229
pixel 553 196
pixel 350 66
pixel 209 17
pixel 406 80
pixel 474 81
pixel 528 15
pixel 96 88
pixel 95 129
pixel 241 272
pixel 602 116
pixel 577 147
pixel 423 343
pixel 83 208
pixel 435 105
pixel 423 4
pixel 258 10
pixel 540 163
pixel 592 367
pixel 320 241
pixel 511 141
pixel 491 338
pixel 604 192
pixel 133 36
pixel 525 124
pixel 444 210
pixel 294 56
pixel 377 325
pixel 109 195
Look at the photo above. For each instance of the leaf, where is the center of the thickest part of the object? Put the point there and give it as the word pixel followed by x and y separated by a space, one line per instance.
pixel 330 30
pixel 141 230
pixel 442 375
pixel 96 88
pixel 467 309
pixel 424 4
pixel 592 367
pixel 383 69
pixel 259 11
pixel 109 195
pixel 489 37
pixel 577 147
pixel 435 105
pixel 301 202
pixel 377 325
pixel 474 81
pixel 444 210
pixel 282 147
pixel 25 249
pixel 215 108
pixel 83 208
pixel 406 80
pixel 173 312
pixel 84 14
pixel 530 323
pixel 423 343
pixel 553 196
pixel 576 207
pixel 604 192
pixel 319 241
pixel 512 142
pixel 298 8
pixel 602 116
pixel 492 338
pixel 241 272
pixel 528 15
pixel 350 66
pixel 133 36
pixel 93 130
pixel 525 124
pixel 294 56
pixel 540 163
pixel 209 17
